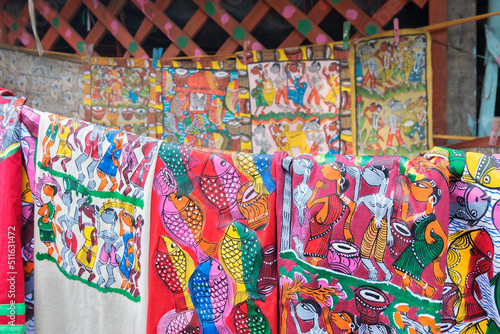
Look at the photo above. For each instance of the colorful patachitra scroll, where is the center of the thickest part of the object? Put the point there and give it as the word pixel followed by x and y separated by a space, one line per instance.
pixel 201 104
pixel 91 189
pixel 393 92
pixel 362 244
pixel 47 83
pixel 295 99
pixel 12 306
pixel 471 298
pixel 212 257
pixel 124 94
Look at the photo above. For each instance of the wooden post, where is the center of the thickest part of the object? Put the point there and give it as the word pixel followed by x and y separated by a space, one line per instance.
pixel 438 14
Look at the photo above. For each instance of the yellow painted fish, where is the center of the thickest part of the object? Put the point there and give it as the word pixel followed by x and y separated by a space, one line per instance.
pixel 240 253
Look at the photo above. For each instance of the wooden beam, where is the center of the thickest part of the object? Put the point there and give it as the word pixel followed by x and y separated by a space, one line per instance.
pixel 68 12
pixel 191 29
pixel 420 3
pixel 18 31
pixel 169 28
pixel 62 27
pixel 300 21
pixel 355 15
pixel 317 14
pixel 98 30
pixel 388 10
pixel 115 27
pixel 146 25
pixel 438 14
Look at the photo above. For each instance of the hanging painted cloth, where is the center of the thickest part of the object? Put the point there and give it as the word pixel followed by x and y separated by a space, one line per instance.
pixel 12 306
pixel 92 200
pixel 471 300
pixel 362 244
pixel 212 257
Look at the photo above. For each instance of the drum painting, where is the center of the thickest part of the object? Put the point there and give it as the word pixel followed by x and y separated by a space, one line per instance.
pixel 343 256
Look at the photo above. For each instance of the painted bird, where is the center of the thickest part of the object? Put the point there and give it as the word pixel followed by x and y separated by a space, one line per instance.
pixel 258 167
pixel 220 183
pixel 183 218
pixel 185 322
pixel 170 155
pixel 211 293
pixel 241 255
pixel 249 319
pixel 174 267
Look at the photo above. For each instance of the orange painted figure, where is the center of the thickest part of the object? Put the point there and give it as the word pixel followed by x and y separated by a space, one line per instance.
pixel 46 223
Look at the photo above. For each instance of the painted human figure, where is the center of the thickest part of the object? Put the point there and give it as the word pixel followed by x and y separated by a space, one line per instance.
pixel 259 139
pixel 65 147
pixel 327 211
pixel 307 310
pixel 394 120
pixel 128 258
pixel 416 75
pixel 315 97
pixel 301 195
pixel 367 54
pixel 129 160
pixel 141 171
pixel 374 118
pixel 429 241
pixel 420 126
pixel 378 233
pixel 280 87
pixel 47 221
pixel 112 242
pixel 296 89
pixel 135 272
pixel 258 92
pixel 110 162
pixel 50 138
pixel 93 151
pixel 313 133
pixel 68 237
pixel 86 256
pixel 332 76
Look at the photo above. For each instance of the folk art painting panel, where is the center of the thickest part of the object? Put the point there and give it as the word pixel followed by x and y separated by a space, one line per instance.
pixel 471 300
pixel 91 212
pixel 201 106
pixel 47 84
pixel 392 90
pixel 213 242
pixel 363 249
pixel 120 97
pixel 295 100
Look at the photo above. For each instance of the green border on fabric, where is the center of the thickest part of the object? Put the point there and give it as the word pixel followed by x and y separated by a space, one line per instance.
pixel 425 306
pixel 9 151
pixel 94 193
pixel 19 309
pixel 14 329
pixel 42 256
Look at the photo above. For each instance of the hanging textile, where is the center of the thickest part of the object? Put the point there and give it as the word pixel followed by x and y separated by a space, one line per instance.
pixel 124 94
pixel 212 257
pixel 471 294
pixel 91 190
pixel 393 93
pixel 362 244
pixel 201 104
pixel 48 84
pixel 295 100
pixel 12 306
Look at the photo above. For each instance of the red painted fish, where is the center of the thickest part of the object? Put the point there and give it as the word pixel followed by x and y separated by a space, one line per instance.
pixel 185 322
pixel 220 183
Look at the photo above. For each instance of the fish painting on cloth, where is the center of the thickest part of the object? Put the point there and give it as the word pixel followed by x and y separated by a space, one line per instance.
pixel 294 101
pixel 201 105
pixel 12 299
pixel 91 223
pixel 365 244
pixel 471 301
pixel 213 250
pixel 392 88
